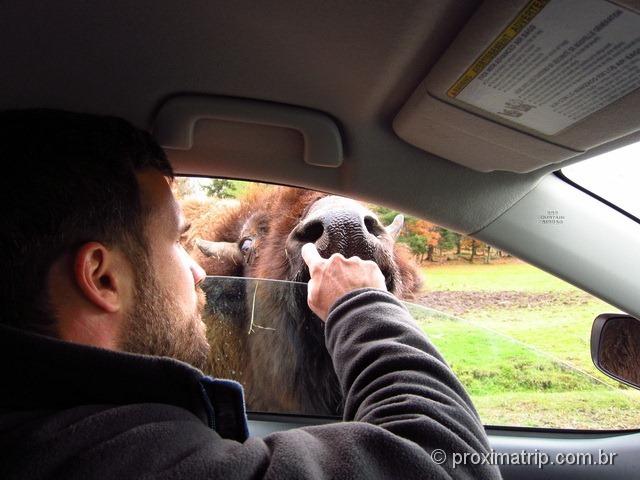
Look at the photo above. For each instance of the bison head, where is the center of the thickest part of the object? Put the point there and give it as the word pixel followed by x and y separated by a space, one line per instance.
pixel 285 219
pixel 284 365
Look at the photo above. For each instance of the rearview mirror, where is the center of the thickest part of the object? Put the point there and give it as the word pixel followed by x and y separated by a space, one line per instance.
pixel 615 347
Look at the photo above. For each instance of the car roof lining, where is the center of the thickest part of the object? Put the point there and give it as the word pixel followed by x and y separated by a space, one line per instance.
pixel 356 62
pixel 431 190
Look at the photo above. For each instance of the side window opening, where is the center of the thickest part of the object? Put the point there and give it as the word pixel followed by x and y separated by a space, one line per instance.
pixel 517 337
pixel 612 176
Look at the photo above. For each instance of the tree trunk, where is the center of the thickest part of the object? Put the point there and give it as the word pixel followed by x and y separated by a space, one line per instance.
pixel 430 253
pixel 474 247
pixel 487 259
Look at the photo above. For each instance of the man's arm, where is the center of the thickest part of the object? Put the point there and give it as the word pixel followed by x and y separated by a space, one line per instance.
pixel 402 403
pixel 404 399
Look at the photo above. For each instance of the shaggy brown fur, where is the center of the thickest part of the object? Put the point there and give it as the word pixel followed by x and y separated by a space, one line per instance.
pixel 202 215
pixel 263 333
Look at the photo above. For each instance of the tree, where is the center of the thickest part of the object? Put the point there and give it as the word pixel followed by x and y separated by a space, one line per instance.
pixel 429 235
pixel 421 236
pixel 417 244
pixel 386 216
pixel 183 187
pixel 448 239
pixel 219 188
pixel 458 239
pixel 469 243
pixel 474 249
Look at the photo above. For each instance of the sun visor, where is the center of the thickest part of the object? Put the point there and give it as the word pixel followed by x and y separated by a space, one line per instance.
pixel 248 130
pixel 530 83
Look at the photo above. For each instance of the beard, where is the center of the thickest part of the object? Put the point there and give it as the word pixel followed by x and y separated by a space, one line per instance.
pixel 158 326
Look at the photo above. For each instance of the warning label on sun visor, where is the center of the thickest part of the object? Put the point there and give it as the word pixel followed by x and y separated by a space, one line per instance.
pixel 556 63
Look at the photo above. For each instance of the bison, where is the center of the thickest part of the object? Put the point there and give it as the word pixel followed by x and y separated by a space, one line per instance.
pixel 262 333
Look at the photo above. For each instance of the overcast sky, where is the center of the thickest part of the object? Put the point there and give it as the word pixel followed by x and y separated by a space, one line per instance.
pixel 614 176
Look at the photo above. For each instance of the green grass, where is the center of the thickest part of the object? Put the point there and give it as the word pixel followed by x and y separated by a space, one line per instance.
pixel 588 410
pixel 559 330
pixel 527 364
pixel 488 363
pixel 493 278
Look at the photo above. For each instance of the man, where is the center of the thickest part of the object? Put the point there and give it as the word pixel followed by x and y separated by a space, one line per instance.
pixel 97 292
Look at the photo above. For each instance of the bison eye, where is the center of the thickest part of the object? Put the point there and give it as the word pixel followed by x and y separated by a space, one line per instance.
pixel 245 244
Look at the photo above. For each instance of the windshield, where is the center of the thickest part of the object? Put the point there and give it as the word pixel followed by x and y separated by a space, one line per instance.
pixel 613 176
pixel 256 342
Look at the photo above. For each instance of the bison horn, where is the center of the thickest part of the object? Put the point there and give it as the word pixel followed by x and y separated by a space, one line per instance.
pixel 221 250
pixel 396 226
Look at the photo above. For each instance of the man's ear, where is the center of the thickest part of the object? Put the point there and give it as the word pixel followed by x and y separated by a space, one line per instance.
pixel 101 276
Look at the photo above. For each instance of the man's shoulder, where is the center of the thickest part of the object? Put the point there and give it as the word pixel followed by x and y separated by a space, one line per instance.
pixel 124 440
pixel 95 423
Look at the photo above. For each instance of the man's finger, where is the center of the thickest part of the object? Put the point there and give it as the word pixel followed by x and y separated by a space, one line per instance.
pixel 310 255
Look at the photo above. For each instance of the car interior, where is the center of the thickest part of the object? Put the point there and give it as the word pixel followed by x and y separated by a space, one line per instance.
pixel 443 109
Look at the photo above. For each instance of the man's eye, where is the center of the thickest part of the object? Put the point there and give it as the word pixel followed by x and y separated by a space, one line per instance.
pixel 245 245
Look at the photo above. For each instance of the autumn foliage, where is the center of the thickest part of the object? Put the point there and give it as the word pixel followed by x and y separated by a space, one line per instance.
pixel 427 241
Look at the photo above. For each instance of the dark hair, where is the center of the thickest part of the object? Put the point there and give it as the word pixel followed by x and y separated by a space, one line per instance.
pixel 69 179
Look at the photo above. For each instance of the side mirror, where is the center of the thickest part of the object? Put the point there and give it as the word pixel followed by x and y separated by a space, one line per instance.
pixel 615 347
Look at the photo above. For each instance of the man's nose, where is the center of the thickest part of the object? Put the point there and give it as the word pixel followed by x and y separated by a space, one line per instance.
pixel 198 272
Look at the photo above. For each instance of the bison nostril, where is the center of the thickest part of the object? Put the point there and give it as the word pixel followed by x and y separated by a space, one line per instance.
pixel 373 226
pixel 310 232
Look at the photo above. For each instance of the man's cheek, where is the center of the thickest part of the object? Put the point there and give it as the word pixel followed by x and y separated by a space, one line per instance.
pixel 201 300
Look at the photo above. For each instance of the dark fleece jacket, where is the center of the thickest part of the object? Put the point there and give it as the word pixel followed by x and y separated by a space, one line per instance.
pixel 76 412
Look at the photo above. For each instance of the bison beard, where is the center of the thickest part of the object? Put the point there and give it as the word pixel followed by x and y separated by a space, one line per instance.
pixel 263 334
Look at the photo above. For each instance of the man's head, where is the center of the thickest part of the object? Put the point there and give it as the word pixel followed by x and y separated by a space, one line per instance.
pixel 89 242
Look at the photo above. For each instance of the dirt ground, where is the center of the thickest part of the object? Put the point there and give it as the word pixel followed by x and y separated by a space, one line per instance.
pixel 453 259
pixel 458 303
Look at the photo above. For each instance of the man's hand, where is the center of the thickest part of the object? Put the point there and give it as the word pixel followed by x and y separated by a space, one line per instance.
pixel 336 276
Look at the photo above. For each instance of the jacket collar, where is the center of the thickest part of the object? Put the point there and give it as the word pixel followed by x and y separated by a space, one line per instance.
pixel 38 372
